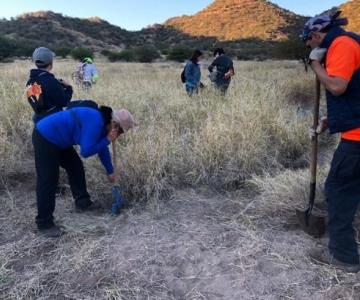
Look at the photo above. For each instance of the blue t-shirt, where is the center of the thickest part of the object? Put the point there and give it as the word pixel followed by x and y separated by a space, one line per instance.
pixel 81 126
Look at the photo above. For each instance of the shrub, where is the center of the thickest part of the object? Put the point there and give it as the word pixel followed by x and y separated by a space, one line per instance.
pixel 146 54
pixel 125 55
pixel 63 52
pixel 80 53
pixel 6 48
pixel 179 53
pixel 290 49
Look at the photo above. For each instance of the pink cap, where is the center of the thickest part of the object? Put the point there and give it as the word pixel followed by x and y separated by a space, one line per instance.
pixel 124 118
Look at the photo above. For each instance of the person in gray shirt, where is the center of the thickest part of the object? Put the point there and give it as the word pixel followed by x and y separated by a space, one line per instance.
pixel 221 70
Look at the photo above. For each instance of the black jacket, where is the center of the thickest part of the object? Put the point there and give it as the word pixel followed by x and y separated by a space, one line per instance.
pixel 55 95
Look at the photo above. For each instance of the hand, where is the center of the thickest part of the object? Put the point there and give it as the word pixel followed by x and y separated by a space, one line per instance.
pixel 317 54
pixel 322 126
pixel 111 178
pixel 64 83
pixel 113 134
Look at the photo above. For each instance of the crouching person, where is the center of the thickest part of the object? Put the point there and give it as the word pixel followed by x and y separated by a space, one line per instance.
pixel 53 139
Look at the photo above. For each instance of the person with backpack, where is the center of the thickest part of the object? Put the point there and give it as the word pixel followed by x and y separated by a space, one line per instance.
pixel 221 70
pixel 45 93
pixel 192 73
pixel 86 73
pixel 335 59
pixel 53 139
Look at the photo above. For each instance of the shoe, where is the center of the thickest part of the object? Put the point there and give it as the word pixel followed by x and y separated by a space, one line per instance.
pixel 325 257
pixel 52 232
pixel 94 206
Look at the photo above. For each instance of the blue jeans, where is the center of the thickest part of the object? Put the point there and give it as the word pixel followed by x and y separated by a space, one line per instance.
pixel 191 89
pixel 342 189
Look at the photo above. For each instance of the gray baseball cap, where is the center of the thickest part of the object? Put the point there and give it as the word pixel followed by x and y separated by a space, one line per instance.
pixel 43 56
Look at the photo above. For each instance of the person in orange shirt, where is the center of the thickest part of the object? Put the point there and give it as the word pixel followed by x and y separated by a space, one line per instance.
pixel 335 59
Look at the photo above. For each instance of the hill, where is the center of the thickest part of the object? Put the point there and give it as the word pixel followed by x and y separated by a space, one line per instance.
pixel 56 30
pixel 351 10
pixel 239 19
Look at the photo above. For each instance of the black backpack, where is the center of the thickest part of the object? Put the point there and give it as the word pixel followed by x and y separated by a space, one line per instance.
pixel 182 76
pixel 83 103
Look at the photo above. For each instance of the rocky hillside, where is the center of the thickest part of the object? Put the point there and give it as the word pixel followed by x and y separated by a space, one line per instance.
pixel 56 30
pixel 351 10
pixel 239 19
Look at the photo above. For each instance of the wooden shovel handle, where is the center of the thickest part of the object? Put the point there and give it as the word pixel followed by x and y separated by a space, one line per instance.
pixel 314 144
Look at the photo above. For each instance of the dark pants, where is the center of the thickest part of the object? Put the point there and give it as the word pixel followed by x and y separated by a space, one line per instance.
pixel 222 87
pixel 48 159
pixel 342 189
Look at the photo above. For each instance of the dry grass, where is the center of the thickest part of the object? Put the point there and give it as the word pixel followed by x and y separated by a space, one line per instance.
pixel 205 243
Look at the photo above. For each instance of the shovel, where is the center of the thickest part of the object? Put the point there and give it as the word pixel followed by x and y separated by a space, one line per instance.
pixel 116 190
pixel 312 224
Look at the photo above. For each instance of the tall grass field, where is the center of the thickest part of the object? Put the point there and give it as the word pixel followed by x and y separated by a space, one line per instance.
pixel 212 184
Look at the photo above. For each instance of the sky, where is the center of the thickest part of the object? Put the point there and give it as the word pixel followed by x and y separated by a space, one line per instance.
pixel 137 14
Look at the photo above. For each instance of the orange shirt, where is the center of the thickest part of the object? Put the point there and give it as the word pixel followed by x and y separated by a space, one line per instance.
pixel 343 59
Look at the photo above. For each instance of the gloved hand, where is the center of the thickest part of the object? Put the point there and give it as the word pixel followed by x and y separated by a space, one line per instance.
pixel 317 54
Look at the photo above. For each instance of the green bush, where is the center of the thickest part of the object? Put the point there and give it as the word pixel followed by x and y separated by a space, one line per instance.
pixel 290 49
pixel 125 55
pixel 146 54
pixel 81 53
pixel 63 52
pixel 7 48
pixel 179 53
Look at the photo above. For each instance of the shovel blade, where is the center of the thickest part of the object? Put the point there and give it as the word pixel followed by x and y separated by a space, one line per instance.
pixel 117 200
pixel 311 224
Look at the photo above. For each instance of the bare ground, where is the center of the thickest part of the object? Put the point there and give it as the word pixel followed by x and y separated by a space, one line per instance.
pixel 196 245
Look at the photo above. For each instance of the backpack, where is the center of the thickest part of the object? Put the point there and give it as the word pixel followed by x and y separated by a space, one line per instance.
pixel 83 103
pixel 182 76
pixel 78 75
pixel 35 96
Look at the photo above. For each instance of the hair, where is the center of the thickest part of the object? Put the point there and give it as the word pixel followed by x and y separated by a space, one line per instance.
pixel 195 56
pixel 219 51
pixel 41 65
pixel 106 113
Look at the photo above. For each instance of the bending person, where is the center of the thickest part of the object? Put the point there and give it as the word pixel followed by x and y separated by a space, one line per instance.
pixel 53 140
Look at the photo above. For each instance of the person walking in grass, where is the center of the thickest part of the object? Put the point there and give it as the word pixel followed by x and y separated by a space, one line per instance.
pixel 192 73
pixel 46 94
pixel 335 59
pixel 53 139
pixel 86 73
pixel 221 70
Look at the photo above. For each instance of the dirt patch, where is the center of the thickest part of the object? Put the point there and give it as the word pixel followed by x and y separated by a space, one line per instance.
pixel 194 246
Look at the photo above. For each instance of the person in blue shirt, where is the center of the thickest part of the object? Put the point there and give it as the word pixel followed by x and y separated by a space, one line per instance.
pixel 56 94
pixel 53 139
pixel 193 73
pixel 86 74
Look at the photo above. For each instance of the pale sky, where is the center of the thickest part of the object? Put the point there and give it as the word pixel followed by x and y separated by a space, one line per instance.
pixel 137 14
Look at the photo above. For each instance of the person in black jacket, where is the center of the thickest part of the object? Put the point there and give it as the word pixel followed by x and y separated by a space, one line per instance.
pixel 221 70
pixel 55 94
